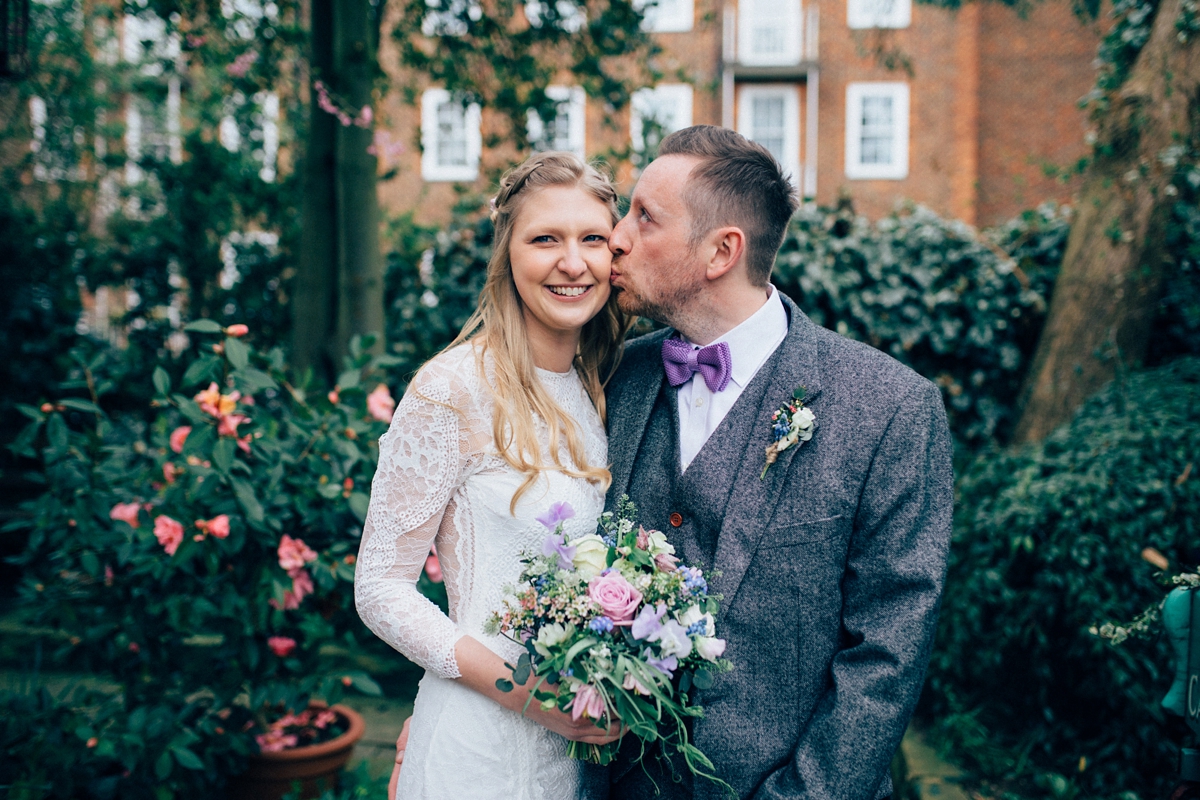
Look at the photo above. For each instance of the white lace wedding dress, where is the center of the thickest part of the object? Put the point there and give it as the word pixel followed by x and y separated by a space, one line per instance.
pixel 440 479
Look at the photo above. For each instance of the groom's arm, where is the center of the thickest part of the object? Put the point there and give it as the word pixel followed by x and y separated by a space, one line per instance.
pixel 891 589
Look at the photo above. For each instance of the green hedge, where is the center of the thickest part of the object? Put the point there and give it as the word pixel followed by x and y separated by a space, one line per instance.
pixel 1047 543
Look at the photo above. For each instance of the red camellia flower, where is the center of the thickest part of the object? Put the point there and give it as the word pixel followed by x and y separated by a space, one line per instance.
pixel 281 646
pixel 169 533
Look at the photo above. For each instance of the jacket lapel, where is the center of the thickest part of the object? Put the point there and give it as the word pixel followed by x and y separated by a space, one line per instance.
pixel 629 405
pixel 794 364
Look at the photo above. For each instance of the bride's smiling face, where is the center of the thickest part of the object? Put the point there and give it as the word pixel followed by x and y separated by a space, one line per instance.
pixel 560 260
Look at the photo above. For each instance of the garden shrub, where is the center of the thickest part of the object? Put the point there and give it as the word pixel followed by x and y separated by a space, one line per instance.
pixel 1047 543
pixel 203 562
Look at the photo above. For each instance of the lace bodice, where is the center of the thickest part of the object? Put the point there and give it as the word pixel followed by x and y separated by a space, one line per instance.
pixel 441 480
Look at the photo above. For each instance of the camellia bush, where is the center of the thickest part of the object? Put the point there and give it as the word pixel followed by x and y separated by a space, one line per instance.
pixel 202 562
pixel 1049 542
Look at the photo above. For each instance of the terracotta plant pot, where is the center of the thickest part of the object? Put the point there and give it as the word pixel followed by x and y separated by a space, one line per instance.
pixel 316 766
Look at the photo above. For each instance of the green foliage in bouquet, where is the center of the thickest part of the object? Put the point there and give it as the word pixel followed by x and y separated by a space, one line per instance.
pixel 1048 543
pixel 202 561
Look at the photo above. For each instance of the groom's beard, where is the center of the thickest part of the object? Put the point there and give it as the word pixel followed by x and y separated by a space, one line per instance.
pixel 674 290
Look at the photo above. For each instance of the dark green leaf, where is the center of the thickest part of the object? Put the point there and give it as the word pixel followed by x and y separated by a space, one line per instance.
pixel 203 370
pixel 163 766
pixel 237 352
pixel 703 679
pixel 81 405
pixel 186 758
pixel 203 326
pixel 223 452
pixel 358 505
pixel 504 685
pixel 162 381
pixel 247 500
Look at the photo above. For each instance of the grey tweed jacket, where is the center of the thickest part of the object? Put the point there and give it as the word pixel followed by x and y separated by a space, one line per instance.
pixel 832 567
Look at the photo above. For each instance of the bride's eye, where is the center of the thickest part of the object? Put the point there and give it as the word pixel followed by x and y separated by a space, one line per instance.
pixel 544 238
pixel 595 237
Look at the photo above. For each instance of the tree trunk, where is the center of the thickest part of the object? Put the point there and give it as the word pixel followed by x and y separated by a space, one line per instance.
pixel 1103 304
pixel 339 281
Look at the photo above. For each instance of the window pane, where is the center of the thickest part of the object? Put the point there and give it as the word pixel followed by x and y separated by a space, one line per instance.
pixel 877 133
pixel 768 124
pixel 452 135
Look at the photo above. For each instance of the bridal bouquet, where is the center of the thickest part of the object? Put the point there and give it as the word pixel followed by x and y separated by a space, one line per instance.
pixel 618 628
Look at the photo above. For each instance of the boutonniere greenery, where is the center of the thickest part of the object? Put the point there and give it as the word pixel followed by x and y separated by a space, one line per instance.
pixel 791 424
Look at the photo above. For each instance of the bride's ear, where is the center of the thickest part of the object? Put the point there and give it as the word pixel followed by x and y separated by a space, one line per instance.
pixel 726 248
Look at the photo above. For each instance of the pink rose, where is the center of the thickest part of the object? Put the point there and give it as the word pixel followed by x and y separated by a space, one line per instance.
pixel 168 532
pixel 294 553
pixel 126 512
pixel 380 404
pixel 179 436
pixel 433 567
pixel 615 596
pixel 281 646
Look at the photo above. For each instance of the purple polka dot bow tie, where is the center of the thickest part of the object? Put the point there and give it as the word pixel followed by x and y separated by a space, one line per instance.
pixel 681 360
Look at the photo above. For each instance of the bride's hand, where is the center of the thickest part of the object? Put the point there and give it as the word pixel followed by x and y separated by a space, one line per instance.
pixel 580 730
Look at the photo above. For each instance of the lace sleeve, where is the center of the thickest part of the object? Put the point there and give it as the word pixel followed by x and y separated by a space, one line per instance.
pixel 423 458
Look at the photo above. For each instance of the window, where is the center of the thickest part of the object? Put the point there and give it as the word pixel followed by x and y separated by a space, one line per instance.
pixel 770 115
pixel 568 15
pixel 667 16
pixel 566 130
pixel 769 32
pixel 450 138
pixel 877 130
pixel 879 13
pixel 445 17
pixel 656 112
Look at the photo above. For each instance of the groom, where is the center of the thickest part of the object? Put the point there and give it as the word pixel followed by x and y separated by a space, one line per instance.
pixel 832 562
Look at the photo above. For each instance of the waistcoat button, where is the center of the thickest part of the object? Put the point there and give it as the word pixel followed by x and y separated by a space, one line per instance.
pixel 676 519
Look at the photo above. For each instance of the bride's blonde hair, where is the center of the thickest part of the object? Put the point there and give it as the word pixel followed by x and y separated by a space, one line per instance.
pixel 498 327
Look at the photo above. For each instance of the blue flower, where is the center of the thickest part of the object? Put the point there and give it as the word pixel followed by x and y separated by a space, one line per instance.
pixel 559 512
pixel 601 625
pixel 697 628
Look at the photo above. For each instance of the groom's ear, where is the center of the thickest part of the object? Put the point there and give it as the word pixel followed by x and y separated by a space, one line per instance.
pixel 726 248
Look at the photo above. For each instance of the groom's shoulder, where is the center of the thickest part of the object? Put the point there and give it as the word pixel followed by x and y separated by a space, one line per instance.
pixel 640 353
pixel 860 370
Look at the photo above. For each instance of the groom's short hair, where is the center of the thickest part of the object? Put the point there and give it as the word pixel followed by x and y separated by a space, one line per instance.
pixel 739 183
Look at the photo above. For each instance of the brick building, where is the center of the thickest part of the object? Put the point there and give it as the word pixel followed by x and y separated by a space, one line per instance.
pixel 959 109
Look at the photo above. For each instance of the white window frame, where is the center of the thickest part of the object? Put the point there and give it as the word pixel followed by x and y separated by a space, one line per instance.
pixel 645 101
pixel 667 16
pixel 431 170
pixel 855 94
pixel 576 107
pixel 784 13
pixel 867 14
pixel 790 93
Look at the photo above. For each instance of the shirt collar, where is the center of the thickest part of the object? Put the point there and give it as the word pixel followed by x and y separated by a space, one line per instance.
pixel 752 342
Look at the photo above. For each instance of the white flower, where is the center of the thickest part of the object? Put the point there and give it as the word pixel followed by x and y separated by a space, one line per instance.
pixel 659 544
pixel 708 648
pixel 624 527
pixel 551 635
pixel 591 555
pixel 802 425
pixel 672 639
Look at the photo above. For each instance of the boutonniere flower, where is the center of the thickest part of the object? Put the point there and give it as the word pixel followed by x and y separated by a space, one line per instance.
pixel 791 424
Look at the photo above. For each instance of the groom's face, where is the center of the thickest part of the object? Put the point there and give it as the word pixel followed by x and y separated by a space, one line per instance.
pixel 655 271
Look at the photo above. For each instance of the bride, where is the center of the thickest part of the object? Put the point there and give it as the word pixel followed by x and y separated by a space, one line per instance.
pixel 505 422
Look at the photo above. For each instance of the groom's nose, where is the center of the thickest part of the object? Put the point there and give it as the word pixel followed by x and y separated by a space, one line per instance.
pixel 618 241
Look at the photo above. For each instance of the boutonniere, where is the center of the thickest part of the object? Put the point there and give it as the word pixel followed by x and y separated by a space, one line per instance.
pixel 791 424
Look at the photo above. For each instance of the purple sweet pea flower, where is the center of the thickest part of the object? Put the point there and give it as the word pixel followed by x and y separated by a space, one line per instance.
pixel 666 666
pixel 559 512
pixel 558 544
pixel 647 623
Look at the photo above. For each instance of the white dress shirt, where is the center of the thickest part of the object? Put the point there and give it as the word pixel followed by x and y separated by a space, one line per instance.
pixel 750 345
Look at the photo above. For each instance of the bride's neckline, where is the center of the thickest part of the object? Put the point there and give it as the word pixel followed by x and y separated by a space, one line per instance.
pixel 552 375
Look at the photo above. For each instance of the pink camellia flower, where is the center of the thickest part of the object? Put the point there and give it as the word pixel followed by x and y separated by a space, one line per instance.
pixel 169 533
pixel 281 646
pixel 333 396
pixel 178 437
pixel 587 701
pixel 228 423
pixel 274 741
pixel 294 553
pixel 380 404
pixel 171 472
pixel 433 567
pixel 218 526
pixel 237 331
pixel 125 512
pixel 616 596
